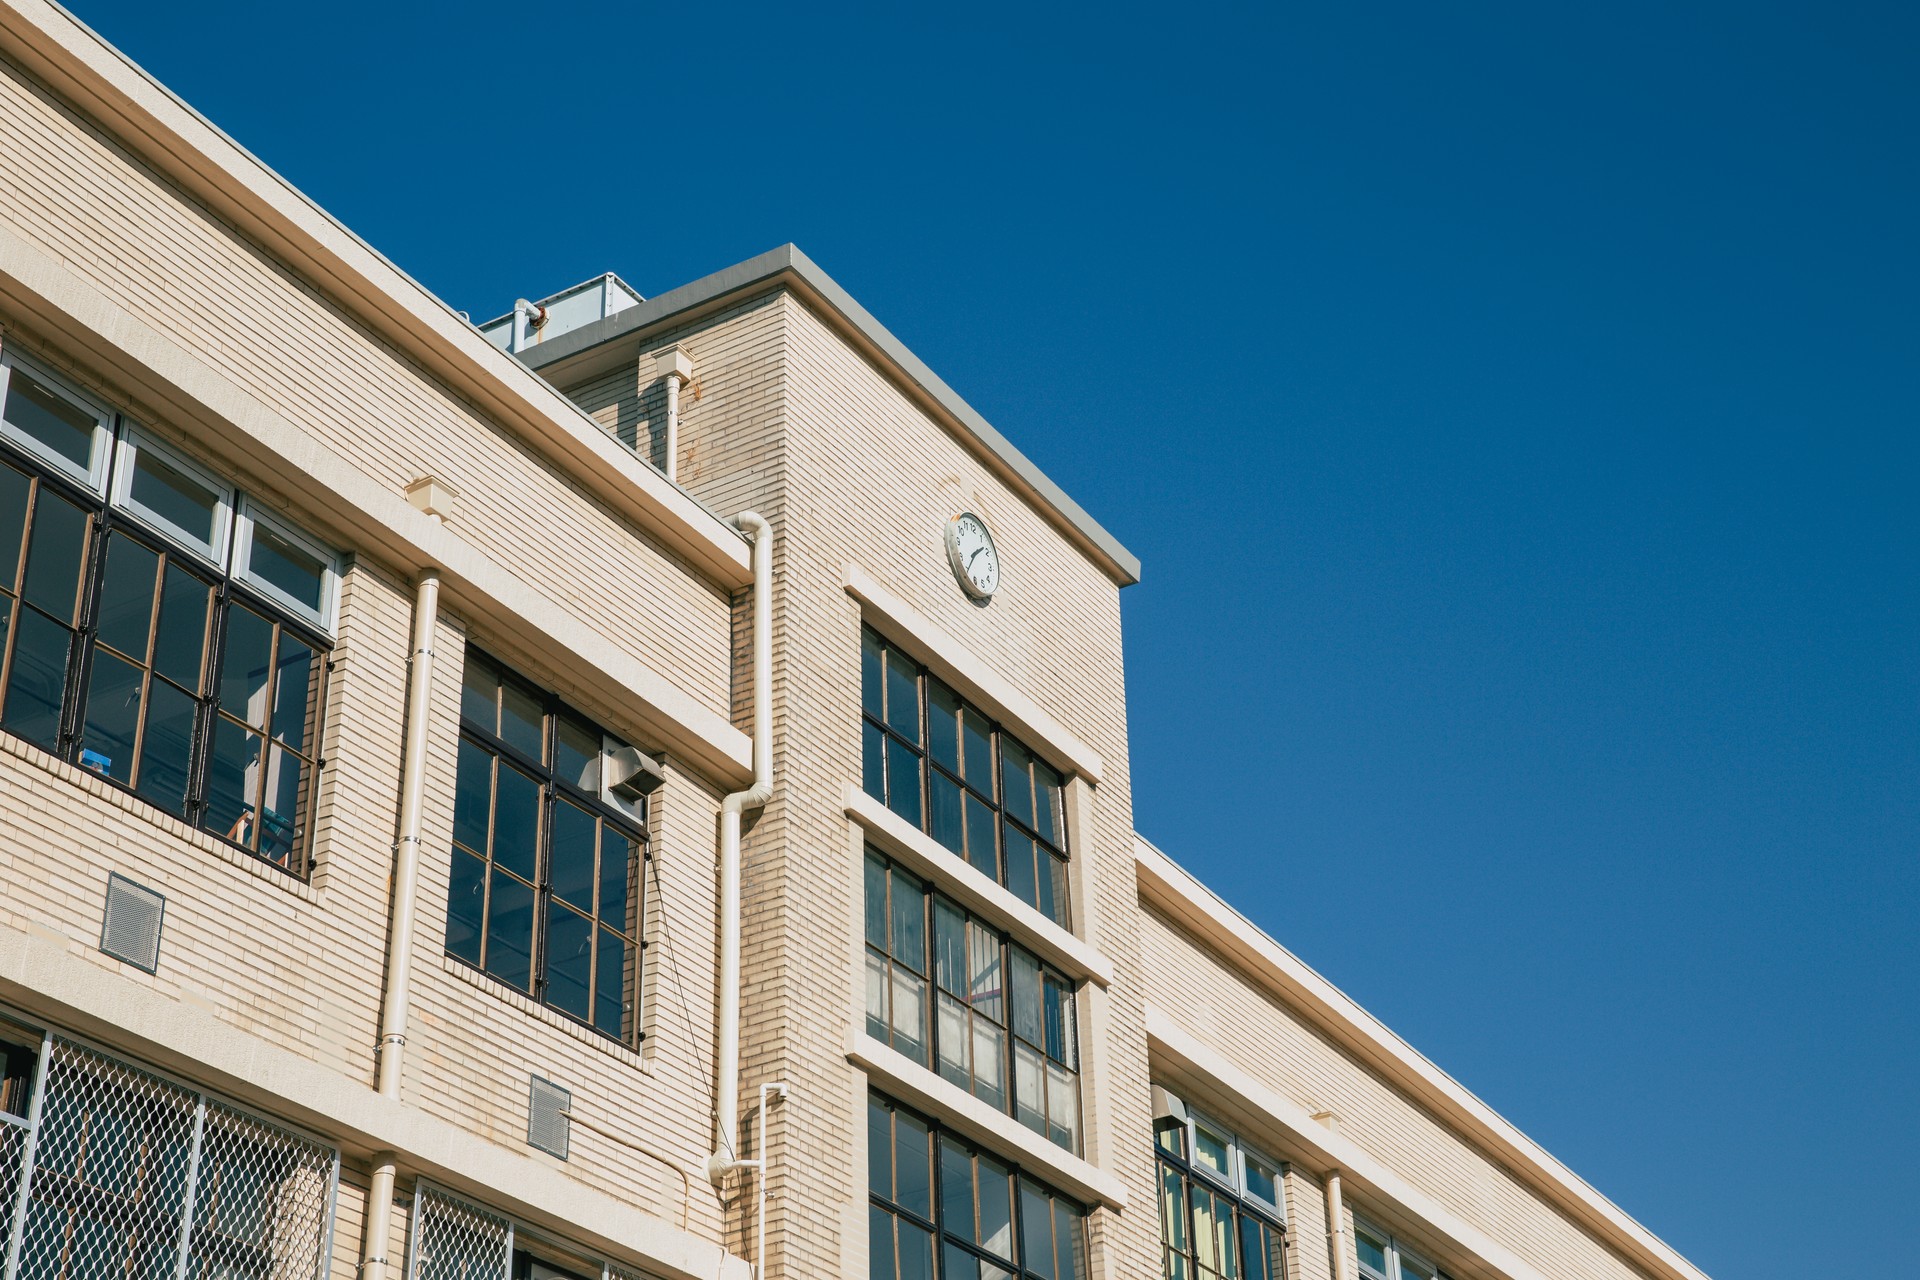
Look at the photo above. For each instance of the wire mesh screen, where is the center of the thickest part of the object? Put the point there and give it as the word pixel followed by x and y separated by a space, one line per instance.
pixel 137 1178
pixel 455 1240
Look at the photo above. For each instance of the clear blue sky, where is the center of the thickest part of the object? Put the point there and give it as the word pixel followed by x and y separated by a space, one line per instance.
pixel 1549 374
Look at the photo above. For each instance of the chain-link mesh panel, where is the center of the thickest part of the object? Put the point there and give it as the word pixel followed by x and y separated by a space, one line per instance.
pixel 138 1178
pixel 13 1151
pixel 616 1272
pixel 262 1201
pixel 110 1172
pixel 455 1240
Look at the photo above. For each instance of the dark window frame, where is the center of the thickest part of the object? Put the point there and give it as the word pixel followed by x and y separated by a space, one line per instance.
pixel 105 524
pixel 1176 1167
pixel 946 1242
pixel 1050 879
pixel 933 993
pixel 554 790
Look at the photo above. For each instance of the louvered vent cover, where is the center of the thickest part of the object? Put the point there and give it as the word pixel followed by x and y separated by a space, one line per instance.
pixel 547 1126
pixel 131 931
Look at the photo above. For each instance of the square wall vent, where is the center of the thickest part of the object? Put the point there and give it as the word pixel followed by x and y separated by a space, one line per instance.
pixel 131 929
pixel 548 1128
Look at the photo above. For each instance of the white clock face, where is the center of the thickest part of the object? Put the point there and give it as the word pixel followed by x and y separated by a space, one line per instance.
pixel 975 561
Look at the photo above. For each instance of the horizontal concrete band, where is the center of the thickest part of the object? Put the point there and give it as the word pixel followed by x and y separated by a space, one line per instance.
pixel 972 889
pixel 180 143
pixel 1170 888
pixel 345 504
pixel 906 1081
pixel 971 678
pixel 43 978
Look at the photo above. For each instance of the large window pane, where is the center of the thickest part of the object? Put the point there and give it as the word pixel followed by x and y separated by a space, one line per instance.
pixel 952 1039
pixel 55 552
pixel 909 933
pixel 480 694
pixel 619 865
pixel 978 740
pixel 913 1156
pixel 516 821
pixel 1036 1232
pixel 873 760
pixel 1019 855
pixel 990 1064
pixel 980 844
pixel 947 812
pixel 283 817
pixel 125 608
pixel 871 698
pixel 879 1149
pixel 996 1208
pixel 612 983
pixel 180 641
pixel 903 698
pixel 36 687
pixel 466 907
pixel 878 1019
pixel 576 754
pixel 909 996
pixel 880 1262
pixel 246 661
pixel 1016 784
pixel 233 777
pixel 166 753
pixel 956 1190
pixel 294 690
pixel 14 487
pixel 473 797
pixel 510 931
pixel 523 720
pixel 569 961
pixel 943 726
pixel 570 854
pixel 903 781
pixel 113 716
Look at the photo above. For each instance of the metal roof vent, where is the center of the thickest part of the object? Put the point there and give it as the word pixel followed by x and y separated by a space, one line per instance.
pixel 548 1128
pixel 565 311
pixel 130 930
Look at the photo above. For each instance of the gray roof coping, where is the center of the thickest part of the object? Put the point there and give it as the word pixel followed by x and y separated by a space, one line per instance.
pixel 789 262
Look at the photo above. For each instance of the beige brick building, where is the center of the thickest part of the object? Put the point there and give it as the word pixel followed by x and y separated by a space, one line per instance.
pixel 374 695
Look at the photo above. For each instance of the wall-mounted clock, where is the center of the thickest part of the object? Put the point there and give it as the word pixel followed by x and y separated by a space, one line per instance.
pixel 971 551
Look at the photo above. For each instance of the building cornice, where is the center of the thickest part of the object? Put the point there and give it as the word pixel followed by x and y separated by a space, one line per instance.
pixel 166 134
pixel 1173 890
pixel 575 354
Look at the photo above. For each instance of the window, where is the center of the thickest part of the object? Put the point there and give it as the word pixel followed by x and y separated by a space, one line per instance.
pixel 951 993
pixel 1382 1257
pixel 57 424
pixel 931 1196
pixel 1220 1210
pixel 947 769
pixel 127 647
pixel 547 893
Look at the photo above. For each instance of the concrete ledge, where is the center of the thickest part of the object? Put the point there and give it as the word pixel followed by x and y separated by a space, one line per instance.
pixel 904 1080
pixel 44 979
pixel 348 506
pixel 968 886
pixel 1170 888
pixel 971 678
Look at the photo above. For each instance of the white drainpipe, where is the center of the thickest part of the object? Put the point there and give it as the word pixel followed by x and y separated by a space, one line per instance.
pixel 675 366
pixel 406 888
pixel 726 1103
pixel 527 318
pixel 1337 1228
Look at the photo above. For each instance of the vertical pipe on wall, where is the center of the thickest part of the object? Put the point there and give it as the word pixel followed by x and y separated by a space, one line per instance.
pixel 397 997
pixel 675 367
pixel 726 1103
pixel 1337 1228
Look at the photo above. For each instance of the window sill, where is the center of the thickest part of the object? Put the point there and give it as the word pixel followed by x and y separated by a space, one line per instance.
pixel 526 1004
pixel 966 885
pixel 906 1081
pixel 154 816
